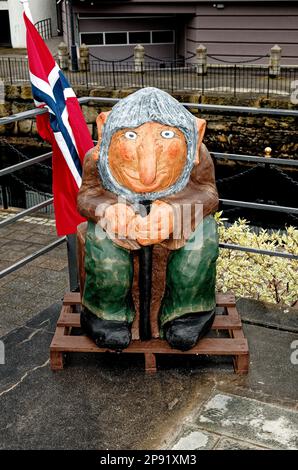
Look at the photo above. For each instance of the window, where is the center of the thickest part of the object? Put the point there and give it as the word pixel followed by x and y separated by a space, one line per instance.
pixel 162 37
pixel 115 38
pixel 139 37
pixel 92 39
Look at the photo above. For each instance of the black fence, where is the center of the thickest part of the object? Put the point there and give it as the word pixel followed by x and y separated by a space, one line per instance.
pixel 229 79
pixel 44 27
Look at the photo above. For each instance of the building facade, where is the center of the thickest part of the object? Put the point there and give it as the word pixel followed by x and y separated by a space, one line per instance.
pixel 12 31
pixel 231 30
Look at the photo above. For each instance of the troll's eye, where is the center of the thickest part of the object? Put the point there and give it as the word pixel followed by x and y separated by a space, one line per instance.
pixel 167 134
pixel 130 135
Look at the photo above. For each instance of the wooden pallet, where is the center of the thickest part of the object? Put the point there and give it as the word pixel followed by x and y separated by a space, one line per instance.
pixel 235 345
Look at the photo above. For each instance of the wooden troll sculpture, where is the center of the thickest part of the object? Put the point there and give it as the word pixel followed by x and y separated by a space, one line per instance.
pixel 150 150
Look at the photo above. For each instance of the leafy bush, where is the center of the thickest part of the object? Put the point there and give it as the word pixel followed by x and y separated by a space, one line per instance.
pixel 261 277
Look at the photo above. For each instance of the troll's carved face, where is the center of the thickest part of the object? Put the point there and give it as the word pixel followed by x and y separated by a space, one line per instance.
pixel 148 146
pixel 147 158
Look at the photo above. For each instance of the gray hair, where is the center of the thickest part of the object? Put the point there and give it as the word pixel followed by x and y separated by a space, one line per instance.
pixel 145 105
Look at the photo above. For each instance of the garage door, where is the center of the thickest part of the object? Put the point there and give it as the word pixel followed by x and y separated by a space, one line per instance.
pixel 115 39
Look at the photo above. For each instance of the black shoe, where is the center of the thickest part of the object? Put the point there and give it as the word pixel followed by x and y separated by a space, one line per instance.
pixel 183 333
pixel 106 333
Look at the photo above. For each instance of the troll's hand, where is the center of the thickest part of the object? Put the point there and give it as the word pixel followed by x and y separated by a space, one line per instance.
pixel 157 226
pixel 118 220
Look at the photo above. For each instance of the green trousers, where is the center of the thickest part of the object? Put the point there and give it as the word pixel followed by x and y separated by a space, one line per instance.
pixel 190 277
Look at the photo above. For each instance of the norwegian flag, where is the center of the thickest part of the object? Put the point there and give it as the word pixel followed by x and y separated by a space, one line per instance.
pixel 63 126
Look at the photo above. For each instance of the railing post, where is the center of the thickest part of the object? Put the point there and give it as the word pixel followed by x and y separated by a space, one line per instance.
pixel 4 196
pixel 267 152
pixel 235 79
pixel 268 82
pixel 172 78
pixel 84 57
pixel 267 167
pixel 114 77
pixel 9 68
pixel 63 56
pixel 72 262
pixel 139 53
pixel 274 62
pixel 201 52
pixel 142 74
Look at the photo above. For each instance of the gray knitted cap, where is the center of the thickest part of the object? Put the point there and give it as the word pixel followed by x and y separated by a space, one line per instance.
pixel 145 105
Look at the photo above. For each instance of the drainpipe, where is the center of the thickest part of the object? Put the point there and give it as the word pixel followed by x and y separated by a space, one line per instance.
pixel 73 47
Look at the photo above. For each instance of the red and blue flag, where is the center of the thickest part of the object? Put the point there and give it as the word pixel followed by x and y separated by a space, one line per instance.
pixel 63 126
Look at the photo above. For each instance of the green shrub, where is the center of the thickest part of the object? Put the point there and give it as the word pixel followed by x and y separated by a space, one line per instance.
pixel 261 277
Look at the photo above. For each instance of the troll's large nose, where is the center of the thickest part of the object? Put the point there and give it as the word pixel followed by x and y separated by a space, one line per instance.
pixel 147 160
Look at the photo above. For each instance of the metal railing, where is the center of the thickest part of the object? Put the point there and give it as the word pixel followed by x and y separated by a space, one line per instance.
pixel 71 239
pixel 233 79
pixel 44 27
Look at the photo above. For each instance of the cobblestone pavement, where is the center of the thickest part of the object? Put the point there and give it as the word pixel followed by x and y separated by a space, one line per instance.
pixel 36 285
pixel 227 421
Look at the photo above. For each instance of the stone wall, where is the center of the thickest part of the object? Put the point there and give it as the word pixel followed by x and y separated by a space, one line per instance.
pixel 225 132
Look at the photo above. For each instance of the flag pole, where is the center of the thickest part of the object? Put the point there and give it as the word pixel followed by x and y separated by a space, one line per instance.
pixel 27 11
pixel 70 238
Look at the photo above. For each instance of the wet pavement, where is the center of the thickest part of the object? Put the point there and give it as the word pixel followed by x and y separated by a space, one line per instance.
pixel 105 401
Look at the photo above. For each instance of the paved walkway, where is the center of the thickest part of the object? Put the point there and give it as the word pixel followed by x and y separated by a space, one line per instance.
pixel 52 44
pixel 38 284
pixel 107 402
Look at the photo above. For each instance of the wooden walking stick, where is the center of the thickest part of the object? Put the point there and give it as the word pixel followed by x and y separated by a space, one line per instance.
pixel 145 284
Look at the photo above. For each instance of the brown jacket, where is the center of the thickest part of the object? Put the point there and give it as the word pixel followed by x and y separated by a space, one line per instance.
pixel 201 189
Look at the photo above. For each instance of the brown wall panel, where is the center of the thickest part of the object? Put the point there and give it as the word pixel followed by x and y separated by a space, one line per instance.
pixel 270 22
pixel 243 36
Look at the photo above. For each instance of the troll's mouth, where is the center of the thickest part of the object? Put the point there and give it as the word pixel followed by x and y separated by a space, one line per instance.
pixel 158 184
pixel 136 176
